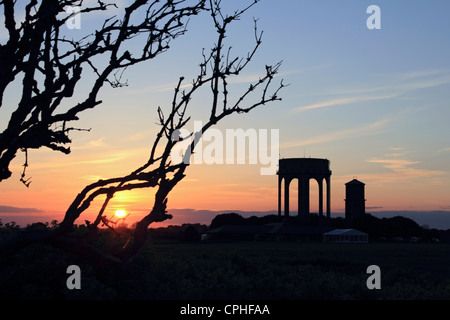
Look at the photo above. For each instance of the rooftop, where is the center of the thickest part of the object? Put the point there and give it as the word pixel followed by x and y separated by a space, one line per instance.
pixel 355 181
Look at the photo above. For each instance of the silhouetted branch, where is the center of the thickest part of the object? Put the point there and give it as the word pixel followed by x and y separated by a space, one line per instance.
pixel 215 70
pixel 162 23
pixel 52 65
pixel 25 165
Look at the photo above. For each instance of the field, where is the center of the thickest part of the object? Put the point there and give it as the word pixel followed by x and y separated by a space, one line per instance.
pixel 238 270
pixel 302 271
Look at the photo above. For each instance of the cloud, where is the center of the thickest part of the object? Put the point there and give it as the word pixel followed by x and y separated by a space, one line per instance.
pixel 403 169
pixel 395 154
pixel 401 76
pixel 444 149
pixel 93 144
pixel 141 135
pixel 101 159
pixel 342 101
pixel 426 83
pixel 394 164
pixel 390 86
pixel 10 209
pixel 368 129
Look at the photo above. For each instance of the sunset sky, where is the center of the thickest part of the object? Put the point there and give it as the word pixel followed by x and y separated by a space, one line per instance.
pixel 373 102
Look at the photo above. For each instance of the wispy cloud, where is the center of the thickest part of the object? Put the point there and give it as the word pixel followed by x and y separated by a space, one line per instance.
pixel 387 86
pixel 394 164
pixel 10 209
pixel 404 168
pixel 114 157
pixel 187 83
pixel 446 149
pixel 341 101
pixel 93 144
pixel 368 129
pixel 147 135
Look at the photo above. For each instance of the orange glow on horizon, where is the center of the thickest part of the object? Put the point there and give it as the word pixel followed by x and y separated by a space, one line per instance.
pixel 214 188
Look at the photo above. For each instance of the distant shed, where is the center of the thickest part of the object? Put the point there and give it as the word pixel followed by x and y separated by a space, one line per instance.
pixel 346 236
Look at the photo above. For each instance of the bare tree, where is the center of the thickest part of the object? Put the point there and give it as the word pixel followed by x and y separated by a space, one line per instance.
pixel 217 66
pixel 51 65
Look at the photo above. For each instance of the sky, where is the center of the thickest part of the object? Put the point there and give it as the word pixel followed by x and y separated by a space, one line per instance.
pixel 375 102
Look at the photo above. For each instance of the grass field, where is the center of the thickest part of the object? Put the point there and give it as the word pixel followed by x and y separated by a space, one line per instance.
pixel 303 270
pixel 239 270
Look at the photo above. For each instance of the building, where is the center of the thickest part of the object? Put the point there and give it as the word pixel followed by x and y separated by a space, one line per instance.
pixel 355 202
pixel 346 236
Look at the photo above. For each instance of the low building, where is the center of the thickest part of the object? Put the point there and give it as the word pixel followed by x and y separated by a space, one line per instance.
pixel 346 236
pixel 267 232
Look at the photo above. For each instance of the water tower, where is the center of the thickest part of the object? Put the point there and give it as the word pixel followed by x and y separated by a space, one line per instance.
pixel 303 169
pixel 355 202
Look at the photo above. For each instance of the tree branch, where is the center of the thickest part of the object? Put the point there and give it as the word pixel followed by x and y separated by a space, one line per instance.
pixel 52 66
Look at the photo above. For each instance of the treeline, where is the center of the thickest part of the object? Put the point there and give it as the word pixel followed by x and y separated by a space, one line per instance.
pixel 394 228
pixel 12 229
pixel 185 232
pixel 237 219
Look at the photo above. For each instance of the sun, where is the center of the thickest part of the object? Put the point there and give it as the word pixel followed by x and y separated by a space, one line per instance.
pixel 120 213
